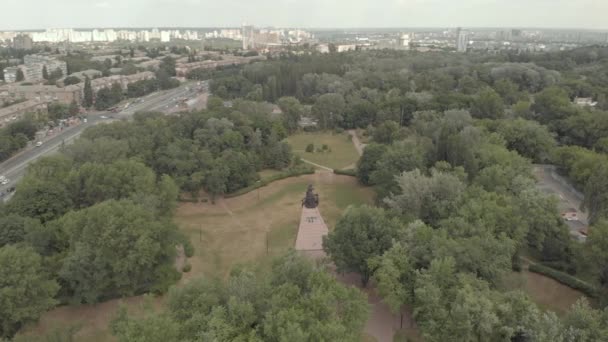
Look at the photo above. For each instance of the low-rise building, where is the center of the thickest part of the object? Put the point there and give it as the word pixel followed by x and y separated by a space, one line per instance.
pixel 123 80
pixel 184 69
pixel 45 93
pixel 18 110
pixel 585 102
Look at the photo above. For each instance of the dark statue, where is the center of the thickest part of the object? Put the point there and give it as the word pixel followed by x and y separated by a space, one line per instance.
pixel 311 200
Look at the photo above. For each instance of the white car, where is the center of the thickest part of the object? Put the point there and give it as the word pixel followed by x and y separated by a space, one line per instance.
pixel 38 144
pixel 104 117
pixel 4 181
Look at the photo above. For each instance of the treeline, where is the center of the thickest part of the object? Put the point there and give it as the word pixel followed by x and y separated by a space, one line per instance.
pixel 218 151
pixel 94 222
pixel 15 136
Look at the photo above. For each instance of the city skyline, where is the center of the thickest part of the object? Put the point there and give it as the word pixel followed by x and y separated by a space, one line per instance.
pixel 583 14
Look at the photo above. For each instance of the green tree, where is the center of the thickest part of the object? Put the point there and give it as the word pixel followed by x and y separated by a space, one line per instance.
pixel 488 104
pixel 329 110
pixel 45 73
pixel 386 132
pixel 131 253
pixel 88 93
pixel 360 234
pixel 292 111
pixel 20 76
pixel 427 198
pixel 597 252
pixel 368 162
pixel 74 108
pixel 395 277
pixel 26 291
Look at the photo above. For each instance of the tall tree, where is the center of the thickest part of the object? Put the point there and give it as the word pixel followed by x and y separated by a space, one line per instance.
pixel 20 76
pixel 88 93
pixel 360 234
pixel 26 291
pixel 45 73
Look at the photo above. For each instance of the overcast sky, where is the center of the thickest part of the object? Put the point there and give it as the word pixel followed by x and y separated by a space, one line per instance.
pixel 37 14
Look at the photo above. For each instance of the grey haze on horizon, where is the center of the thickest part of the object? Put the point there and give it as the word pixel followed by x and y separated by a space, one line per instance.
pixel 39 14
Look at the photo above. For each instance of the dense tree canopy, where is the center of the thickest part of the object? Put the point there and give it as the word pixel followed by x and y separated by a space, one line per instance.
pixel 295 302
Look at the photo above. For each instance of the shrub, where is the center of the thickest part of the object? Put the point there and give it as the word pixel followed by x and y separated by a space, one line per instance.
pixel 565 279
pixel 310 148
pixel 188 248
pixel 325 147
pixel 339 130
pixel 186 268
pixel 350 172
pixel 294 172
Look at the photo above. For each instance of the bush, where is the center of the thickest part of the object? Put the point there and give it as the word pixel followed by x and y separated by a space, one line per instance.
pixel 325 147
pixel 188 248
pixel 339 130
pixel 301 170
pixel 310 148
pixel 350 172
pixel 565 279
pixel 187 268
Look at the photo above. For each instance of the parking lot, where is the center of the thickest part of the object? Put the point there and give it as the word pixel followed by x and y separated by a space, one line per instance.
pixel 569 199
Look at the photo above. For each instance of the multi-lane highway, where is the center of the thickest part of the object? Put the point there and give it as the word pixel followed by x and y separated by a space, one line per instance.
pixel 14 168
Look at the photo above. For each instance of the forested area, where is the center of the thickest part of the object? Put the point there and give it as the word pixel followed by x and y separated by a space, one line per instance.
pixel 295 302
pixel 94 222
pixel 453 139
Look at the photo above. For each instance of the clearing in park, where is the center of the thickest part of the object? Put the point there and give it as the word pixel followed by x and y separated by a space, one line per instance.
pixel 340 152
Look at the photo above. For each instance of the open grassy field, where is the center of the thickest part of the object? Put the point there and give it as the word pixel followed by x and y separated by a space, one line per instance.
pixel 342 155
pixel 230 232
pixel 242 229
pixel 547 293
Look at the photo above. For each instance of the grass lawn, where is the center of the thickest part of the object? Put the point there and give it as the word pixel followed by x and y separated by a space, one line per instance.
pixel 547 293
pixel 240 230
pixel 343 153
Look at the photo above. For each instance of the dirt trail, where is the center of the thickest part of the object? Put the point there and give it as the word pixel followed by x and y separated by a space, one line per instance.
pixel 358 145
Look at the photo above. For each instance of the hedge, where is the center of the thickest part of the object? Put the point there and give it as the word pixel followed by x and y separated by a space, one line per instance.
pixel 304 170
pixel 350 172
pixel 565 279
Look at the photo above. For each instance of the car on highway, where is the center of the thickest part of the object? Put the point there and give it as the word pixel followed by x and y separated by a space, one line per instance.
pixel 85 120
pixel 38 144
pixel 4 181
pixel 104 117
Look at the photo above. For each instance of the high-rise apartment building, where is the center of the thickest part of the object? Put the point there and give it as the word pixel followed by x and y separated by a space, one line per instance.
pixel 462 40
pixel 23 42
pixel 248 37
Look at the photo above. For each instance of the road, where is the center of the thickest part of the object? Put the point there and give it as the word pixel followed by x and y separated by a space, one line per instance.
pixel 15 167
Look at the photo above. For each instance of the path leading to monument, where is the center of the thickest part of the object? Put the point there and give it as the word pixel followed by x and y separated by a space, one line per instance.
pixel 317 165
pixel 358 145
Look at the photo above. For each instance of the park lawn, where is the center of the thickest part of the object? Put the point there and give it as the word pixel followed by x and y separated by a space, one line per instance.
pixel 342 155
pixel 547 293
pixel 248 230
